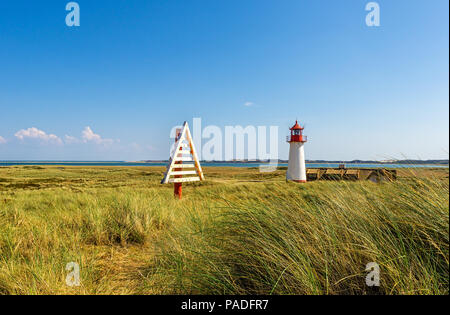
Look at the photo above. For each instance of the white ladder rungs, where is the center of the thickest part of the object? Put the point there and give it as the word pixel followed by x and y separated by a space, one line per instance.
pixel 184 180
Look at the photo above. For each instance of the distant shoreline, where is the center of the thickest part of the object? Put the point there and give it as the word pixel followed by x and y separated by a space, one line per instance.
pixel 411 162
pixel 242 164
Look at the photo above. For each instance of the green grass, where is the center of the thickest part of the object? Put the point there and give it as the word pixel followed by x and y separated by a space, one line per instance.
pixel 240 232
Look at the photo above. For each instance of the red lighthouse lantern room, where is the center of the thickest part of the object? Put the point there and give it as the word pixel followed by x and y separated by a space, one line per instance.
pixel 297 134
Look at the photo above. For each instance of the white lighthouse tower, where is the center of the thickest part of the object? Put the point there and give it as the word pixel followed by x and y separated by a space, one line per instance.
pixel 296 168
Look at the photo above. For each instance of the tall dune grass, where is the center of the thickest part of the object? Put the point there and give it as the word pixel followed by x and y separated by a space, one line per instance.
pixel 238 233
pixel 316 240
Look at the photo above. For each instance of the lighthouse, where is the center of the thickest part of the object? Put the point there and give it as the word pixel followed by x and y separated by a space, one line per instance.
pixel 296 168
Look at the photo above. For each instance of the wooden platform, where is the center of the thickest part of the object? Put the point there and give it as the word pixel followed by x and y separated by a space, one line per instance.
pixel 375 175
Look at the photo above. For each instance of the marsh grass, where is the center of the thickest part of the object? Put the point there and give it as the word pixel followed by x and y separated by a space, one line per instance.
pixel 239 233
pixel 316 239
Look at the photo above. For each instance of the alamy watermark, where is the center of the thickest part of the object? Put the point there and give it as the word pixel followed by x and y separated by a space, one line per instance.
pixel 73 277
pixel 373 276
pixel 73 17
pixel 373 17
pixel 235 143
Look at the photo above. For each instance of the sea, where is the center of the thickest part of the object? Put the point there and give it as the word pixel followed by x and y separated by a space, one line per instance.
pixel 210 164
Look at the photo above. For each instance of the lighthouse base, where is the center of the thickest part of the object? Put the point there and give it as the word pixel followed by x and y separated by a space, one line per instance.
pixel 296 167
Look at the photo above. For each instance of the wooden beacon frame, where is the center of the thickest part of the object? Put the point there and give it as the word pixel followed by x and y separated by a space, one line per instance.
pixel 177 168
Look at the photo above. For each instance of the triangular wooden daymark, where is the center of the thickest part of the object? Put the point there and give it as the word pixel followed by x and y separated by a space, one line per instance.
pixel 183 161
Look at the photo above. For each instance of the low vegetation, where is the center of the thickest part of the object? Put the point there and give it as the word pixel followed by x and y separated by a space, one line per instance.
pixel 240 232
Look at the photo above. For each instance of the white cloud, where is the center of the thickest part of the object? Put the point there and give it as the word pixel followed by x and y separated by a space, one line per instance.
pixel 248 104
pixel 89 136
pixel 34 133
pixel 2 140
pixel 71 140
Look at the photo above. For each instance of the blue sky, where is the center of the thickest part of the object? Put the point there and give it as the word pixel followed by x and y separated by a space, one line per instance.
pixel 117 84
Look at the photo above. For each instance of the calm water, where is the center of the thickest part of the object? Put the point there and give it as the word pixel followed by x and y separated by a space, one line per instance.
pixel 206 164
